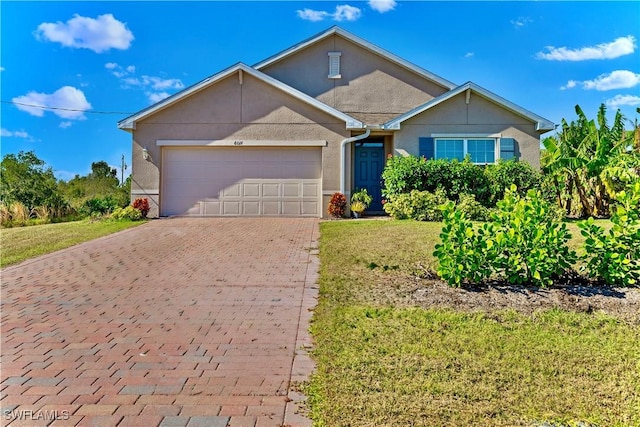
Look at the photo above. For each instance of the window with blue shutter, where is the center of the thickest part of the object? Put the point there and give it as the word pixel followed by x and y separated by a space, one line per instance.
pixel 507 148
pixel 426 148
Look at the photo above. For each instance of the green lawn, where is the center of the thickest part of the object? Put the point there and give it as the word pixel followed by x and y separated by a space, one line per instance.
pixel 21 243
pixel 382 363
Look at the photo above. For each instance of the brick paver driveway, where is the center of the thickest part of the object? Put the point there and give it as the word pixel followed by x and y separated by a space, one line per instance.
pixel 179 322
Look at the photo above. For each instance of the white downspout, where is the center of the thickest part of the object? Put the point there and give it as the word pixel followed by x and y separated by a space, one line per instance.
pixel 343 145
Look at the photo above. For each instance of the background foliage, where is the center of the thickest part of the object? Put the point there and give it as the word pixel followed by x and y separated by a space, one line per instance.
pixel 30 193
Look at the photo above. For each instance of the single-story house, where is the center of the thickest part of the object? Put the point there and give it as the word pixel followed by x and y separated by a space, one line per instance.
pixel 280 137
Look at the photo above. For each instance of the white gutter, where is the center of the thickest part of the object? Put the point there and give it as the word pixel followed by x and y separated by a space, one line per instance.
pixel 366 133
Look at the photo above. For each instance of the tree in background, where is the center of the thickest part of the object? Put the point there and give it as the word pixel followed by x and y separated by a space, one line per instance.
pixel 102 183
pixel 577 160
pixel 26 179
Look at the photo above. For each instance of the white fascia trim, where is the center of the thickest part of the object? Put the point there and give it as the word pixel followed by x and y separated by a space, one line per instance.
pixel 129 122
pixel 542 124
pixel 365 44
pixel 466 135
pixel 237 143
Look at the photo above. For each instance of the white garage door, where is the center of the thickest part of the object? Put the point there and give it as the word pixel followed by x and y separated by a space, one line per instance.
pixel 239 181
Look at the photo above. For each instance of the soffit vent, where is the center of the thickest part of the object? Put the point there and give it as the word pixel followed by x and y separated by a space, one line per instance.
pixel 334 65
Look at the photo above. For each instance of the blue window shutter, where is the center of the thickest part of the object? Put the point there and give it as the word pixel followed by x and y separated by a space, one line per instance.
pixel 507 148
pixel 426 148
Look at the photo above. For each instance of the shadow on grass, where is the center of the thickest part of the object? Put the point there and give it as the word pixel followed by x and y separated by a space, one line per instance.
pixel 570 283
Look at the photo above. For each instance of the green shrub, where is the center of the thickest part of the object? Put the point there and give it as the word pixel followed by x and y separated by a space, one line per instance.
pixel 463 253
pixel 129 212
pixel 530 245
pixel 471 208
pixel 522 243
pixel 418 205
pixel 402 175
pixel 502 175
pixel 98 206
pixel 615 256
pixel 456 178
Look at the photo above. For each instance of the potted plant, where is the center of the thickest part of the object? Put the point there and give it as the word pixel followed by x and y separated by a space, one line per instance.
pixel 357 208
pixel 360 201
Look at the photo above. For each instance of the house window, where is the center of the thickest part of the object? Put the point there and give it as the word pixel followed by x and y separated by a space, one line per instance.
pixel 482 149
pixel 334 65
pixel 450 149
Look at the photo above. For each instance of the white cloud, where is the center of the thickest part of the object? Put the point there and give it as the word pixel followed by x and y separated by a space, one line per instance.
pixel 570 84
pixel 619 79
pixel 382 6
pixel 342 13
pixel 521 21
pixel 623 100
pixel 619 47
pixel 5 133
pixel 65 125
pixel 159 83
pixel 346 13
pixel 67 102
pixel 2 69
pixel 312 15
pixel 469 54
pixel 157 97
pixel 100 34
pixel 155 87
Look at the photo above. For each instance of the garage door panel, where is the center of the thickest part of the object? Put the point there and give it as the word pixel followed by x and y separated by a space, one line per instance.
pixel 271 208
pixel 231 208
pixel 211 208
pixel 251 208
pixel 270 190
pixel 310 208
pixel 310 190
pixel 291 208
pixel 291 190
pixel 251 189
pixel 241 181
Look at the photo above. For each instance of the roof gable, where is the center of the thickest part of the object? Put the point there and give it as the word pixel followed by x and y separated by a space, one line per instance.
pixel 362 43
pixel 542 124
pixel 129 122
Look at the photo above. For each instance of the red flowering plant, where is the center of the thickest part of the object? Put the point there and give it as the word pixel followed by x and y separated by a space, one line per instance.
pixel 337 205
pixel 142 205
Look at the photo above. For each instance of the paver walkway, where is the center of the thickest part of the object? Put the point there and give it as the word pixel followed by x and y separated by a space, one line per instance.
pixel 178 322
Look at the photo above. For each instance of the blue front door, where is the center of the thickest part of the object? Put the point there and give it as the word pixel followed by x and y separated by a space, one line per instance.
pixel 369 163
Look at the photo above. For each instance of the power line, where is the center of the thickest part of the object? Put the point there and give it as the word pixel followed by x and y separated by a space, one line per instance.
pixel 64 109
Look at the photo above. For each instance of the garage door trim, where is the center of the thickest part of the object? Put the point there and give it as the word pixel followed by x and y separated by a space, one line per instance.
pixel 237 143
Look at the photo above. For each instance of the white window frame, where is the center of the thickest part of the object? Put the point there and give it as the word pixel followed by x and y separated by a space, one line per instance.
pixel 334 65
pixel 465 138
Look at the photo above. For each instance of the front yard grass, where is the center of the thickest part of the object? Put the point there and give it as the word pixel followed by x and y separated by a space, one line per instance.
pixel 21 243
pixel 383 363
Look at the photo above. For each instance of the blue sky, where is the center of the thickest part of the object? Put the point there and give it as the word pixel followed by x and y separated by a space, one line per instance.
pixel 100 59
